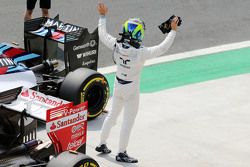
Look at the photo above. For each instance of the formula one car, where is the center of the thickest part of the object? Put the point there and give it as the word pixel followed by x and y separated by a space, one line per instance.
pixel 66 126
pixel 70 74
pixel 36 83
pixel 77 86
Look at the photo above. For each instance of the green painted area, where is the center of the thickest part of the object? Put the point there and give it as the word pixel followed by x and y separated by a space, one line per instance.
pixel 192 70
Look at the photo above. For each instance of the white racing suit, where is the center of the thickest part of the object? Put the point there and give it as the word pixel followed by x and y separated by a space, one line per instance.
pixel 129 61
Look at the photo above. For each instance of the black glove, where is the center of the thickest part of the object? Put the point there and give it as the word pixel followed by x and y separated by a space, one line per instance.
pixel 165 27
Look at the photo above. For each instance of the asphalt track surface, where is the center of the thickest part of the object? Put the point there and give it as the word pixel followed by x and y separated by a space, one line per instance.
pixel 205 23
pixel 200 125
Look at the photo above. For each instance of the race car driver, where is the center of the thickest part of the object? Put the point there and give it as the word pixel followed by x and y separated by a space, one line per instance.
pixel 129 56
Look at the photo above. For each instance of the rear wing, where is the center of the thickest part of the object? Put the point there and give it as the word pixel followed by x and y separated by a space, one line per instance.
pixel 66 124
pixel 34 103
pixel 80 48
pixel 10 95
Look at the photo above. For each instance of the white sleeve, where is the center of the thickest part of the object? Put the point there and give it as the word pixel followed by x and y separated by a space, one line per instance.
pixel 106 38
pixel 154 51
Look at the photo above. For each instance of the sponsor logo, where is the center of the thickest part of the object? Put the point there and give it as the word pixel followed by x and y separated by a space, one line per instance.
pixel 77 127
pixel 92 164
pixel 78 134
pixel 74 110
pixel 124 61
pixel 79 56
pixel 41 98
pixel 53 126
pixel 87 63
pixel 25 93
pixel 88 53
pixel 91 43
pixel 75 144
pixel 63 112
pixel 128 67
pixel 70 121
pixel 57 113
pixel 67 132
pixel 61 26
pixel 6 62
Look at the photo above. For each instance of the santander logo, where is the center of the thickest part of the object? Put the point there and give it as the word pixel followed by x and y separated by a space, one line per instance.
pixel 25 93
pixel 33 95
pixel 53 126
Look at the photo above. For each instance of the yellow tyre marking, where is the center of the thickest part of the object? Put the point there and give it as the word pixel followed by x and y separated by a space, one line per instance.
pixel 98 79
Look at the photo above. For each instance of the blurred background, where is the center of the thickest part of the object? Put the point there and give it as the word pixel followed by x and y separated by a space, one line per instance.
pixel 205 23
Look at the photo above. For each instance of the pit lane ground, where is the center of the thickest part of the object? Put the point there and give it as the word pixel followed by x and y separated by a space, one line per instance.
pixel 200 125
pixel 197 118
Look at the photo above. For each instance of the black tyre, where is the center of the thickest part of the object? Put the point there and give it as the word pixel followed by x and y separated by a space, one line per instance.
pixel 86 85
pixel 70 159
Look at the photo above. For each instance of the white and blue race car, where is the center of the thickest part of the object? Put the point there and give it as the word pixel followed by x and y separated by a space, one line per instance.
pixel 30 89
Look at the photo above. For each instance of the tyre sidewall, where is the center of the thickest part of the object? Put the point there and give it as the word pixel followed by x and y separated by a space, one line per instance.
pixel 77 84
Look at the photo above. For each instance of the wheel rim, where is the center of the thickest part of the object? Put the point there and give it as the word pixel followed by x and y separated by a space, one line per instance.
pixel 94 96
pixel 96 92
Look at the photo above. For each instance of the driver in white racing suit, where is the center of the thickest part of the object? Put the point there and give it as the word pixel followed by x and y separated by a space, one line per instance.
pixel 130 57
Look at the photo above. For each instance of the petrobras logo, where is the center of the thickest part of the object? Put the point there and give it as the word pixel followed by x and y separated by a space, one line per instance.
pixel 42 98
pixel 91 44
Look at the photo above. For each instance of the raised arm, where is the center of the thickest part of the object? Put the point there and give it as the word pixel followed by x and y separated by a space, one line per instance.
pixel 106 38
pixel 154 51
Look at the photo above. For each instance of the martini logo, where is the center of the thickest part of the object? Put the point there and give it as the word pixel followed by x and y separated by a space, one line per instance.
pixel 61 26
pixel 5 62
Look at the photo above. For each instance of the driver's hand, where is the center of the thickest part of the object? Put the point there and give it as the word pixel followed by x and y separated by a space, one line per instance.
pixel 102 9
pixel 174 23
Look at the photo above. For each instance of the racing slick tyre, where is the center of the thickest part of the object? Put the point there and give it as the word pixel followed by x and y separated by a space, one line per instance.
pixel 86 85
pixel 72 159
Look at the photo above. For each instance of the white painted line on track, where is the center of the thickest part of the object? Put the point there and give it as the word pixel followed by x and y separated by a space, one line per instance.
pixel 184 55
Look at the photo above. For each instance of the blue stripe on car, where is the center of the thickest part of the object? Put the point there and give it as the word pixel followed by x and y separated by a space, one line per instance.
pixel 4 48
pixel 18 68
pixel 25 57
